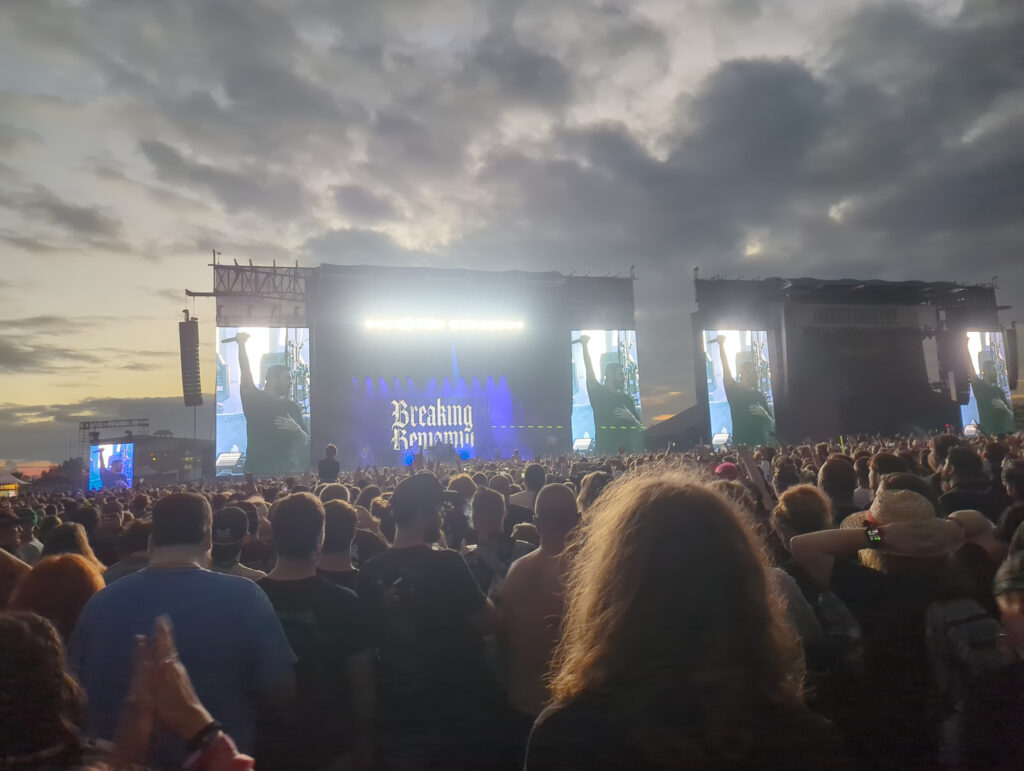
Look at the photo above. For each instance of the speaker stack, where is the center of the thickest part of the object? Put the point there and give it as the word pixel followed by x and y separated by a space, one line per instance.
pixel 188 337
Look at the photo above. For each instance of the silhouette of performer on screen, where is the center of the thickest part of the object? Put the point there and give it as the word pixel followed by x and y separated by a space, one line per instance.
pixel 277 438
pixel 995 416
pixel 752 419
pixel 616 421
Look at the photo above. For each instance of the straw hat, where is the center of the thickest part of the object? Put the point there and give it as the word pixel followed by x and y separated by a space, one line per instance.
pixel 892 506
pixel 929 537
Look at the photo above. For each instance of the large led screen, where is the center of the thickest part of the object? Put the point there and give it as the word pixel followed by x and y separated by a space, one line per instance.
pixel 111 466
pixel 395 419
pixel 605 392
pixel 262 397
pixel 989 407
pixel 740 404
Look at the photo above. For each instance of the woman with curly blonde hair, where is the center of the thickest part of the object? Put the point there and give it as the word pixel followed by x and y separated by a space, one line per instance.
pixel 675 650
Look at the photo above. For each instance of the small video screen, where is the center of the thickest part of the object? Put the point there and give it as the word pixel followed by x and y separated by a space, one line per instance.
pixel 606 414
pixel 112 466
pixel 262 393
pixel 989 410
pixel 740 403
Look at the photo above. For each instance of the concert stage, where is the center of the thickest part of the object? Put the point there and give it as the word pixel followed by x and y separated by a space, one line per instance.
pixel 386 362
pixel 826 358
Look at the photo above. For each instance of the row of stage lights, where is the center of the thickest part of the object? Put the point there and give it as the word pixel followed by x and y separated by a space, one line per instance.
pixel 432 324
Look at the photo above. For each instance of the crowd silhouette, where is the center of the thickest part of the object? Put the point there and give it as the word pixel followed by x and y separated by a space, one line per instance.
pixel 827 605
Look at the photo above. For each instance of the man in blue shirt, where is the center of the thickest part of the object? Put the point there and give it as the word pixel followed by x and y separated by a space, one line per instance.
pixel 228 636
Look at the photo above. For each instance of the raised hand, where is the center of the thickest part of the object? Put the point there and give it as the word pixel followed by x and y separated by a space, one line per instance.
pixel 174 698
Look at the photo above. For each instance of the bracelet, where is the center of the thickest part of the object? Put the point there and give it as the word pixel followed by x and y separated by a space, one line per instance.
pixel 196 742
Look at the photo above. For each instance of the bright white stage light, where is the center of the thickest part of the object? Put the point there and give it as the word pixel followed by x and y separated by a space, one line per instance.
pixel 431 324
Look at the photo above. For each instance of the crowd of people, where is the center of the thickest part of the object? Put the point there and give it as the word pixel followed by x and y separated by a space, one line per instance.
pixel 852 604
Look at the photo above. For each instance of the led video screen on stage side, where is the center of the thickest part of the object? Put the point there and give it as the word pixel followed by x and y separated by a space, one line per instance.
pixel 989 407
pixel 111 466
pixel 740 403
pixel 605 392
pixel 263 409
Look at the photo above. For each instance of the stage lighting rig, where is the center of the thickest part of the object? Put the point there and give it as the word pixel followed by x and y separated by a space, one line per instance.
pixel 433 324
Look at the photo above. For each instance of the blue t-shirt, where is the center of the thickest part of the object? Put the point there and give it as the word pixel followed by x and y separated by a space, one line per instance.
pixel 228 638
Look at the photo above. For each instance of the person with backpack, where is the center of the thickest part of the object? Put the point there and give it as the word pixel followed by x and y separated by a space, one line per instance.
pixel 903 568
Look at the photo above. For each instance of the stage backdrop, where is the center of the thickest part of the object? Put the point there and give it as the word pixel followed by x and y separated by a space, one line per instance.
pixel 444 362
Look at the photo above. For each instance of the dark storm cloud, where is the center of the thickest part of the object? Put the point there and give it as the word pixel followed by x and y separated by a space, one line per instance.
pixel 521 75
pixel 362 204
pixel 42 204
pixel 17 355
pixel 52 324
pixel 365 247
pixel 252 189
pixel 28 244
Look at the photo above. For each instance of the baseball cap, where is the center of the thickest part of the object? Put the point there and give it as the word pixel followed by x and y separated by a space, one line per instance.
pixel 727 471
pixel 230 526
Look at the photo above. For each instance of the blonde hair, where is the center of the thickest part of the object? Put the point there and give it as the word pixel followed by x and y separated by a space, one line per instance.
pixel 668 605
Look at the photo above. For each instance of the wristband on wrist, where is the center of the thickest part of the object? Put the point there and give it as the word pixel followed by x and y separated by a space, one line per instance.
pixel 196 742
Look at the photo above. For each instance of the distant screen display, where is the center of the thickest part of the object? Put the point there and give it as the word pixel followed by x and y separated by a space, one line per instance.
pixel 111 466
pixel 262 394
pixel 606 414
pixel 989 408
pixel 740 403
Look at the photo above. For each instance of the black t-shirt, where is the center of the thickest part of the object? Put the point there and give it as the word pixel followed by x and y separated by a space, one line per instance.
pixel 588 733
pixel 328 469
pixel 325 626
pixel 611 431
pixel 420 603
pixel 366 545
pixel 269 449
pixel 900 700
pixel 346 578
pixel 112 480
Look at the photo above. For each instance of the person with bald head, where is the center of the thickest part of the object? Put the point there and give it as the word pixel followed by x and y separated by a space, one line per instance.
pixel 530 604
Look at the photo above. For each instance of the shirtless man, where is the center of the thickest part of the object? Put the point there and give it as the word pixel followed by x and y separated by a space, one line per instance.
pixel 530 603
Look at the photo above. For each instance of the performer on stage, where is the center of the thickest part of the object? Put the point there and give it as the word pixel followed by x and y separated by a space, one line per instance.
pixel 616 419
pixel 995 416
pixel 112 475
pixel 277 436
pixel 752 420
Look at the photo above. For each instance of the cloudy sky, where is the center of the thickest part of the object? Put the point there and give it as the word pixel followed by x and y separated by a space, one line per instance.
pixel 747 137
